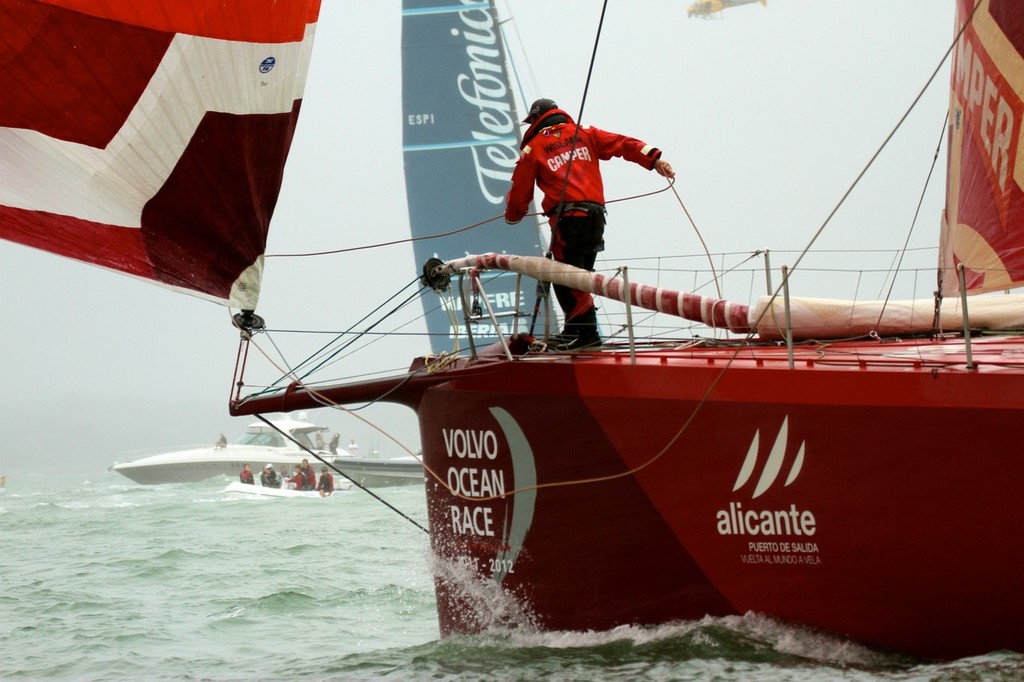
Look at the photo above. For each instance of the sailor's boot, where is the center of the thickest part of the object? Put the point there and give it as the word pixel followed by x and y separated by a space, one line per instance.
pixel 580 332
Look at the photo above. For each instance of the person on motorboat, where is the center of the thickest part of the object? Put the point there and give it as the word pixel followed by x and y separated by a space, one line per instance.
pixel 309 482
pixel 246 475
pixel 562 158
pixel 283 475
pixel 298 478
pixel 333 445
pixel 269 479
pixel 326 484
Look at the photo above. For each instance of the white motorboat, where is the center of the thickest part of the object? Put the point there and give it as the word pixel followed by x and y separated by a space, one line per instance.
pixel 262 444
pixel 239 489
pixel 377 472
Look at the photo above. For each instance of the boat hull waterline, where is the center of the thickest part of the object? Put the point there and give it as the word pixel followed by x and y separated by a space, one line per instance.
pixel 248 490
pixel 880 504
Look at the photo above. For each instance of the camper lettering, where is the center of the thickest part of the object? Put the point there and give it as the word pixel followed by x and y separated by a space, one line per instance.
pixel 581 153
pixel 992 100
pixel 473 447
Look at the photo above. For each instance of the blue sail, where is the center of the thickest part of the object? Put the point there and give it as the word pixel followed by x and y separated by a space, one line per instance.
pixel 460 144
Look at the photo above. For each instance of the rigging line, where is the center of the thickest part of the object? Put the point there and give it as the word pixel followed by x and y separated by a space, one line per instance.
pixel 511 63
pixel 579 118
pixel 439 235
pixel 327 402
pixel 356 337
pixel 590 69
pixel 714 275
pixel 353 338
pixel 321 362
pixel 913 223
pixel 323 400
pixel 640 196
pixel 407 240
pixel 885 143
pixel 343 474
pixel 291 373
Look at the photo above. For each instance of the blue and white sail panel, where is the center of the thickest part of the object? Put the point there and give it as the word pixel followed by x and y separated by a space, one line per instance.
pixel 461 142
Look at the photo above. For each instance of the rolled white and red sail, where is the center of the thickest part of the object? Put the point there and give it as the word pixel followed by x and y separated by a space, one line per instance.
pixel 810 318
pixel 150 137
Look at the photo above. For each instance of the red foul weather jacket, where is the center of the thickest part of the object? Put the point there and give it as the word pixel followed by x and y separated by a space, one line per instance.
pixel 545 157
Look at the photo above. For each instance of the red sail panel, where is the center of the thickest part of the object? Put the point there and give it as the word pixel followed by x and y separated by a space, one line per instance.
pixel 150 137
pixel 984 222
pixel 254 21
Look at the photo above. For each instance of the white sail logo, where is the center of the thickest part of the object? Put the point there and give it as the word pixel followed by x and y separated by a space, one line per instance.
pixel 495 148
pixel 735 520
pixel 773 466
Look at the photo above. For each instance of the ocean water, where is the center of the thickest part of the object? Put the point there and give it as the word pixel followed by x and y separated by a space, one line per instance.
pixel 103 579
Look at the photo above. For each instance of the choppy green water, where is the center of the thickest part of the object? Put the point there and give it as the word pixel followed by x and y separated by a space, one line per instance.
pixel 103 579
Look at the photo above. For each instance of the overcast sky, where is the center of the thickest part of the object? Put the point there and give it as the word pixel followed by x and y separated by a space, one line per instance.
pixel 767 114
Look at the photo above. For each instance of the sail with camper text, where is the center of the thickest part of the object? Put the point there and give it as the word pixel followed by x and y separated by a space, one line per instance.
pixel 983 226
pixel 461 142
pixel 150 137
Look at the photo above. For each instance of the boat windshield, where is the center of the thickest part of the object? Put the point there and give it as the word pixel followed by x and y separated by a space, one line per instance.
pixel 273 440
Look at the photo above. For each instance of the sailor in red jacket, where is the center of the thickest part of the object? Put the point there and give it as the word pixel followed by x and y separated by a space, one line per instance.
pixel 326 484
pixel 562 158
pixel 308 476
pixel 298 479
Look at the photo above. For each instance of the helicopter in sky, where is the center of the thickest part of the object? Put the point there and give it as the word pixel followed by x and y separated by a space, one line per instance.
pixel 707 9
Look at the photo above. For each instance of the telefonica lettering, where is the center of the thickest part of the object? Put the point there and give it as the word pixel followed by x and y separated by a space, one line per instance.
pixel 486 90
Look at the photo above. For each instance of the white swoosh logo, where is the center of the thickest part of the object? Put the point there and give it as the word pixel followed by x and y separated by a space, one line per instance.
pixel 773 465
pixel 524 472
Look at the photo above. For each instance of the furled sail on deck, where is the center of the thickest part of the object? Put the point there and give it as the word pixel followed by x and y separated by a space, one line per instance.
pixel 461 142
pixel 983 226
pixel 150 137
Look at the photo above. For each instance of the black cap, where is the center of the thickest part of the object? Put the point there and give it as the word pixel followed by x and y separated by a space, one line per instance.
pixel 539 107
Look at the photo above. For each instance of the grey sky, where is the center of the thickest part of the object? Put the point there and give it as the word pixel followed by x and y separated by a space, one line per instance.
pixel 767 115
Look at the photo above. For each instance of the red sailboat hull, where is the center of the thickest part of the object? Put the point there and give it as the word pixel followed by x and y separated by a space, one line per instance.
pixel 883 501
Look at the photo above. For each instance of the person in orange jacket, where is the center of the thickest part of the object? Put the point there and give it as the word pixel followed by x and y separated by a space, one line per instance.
pixel 562 159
